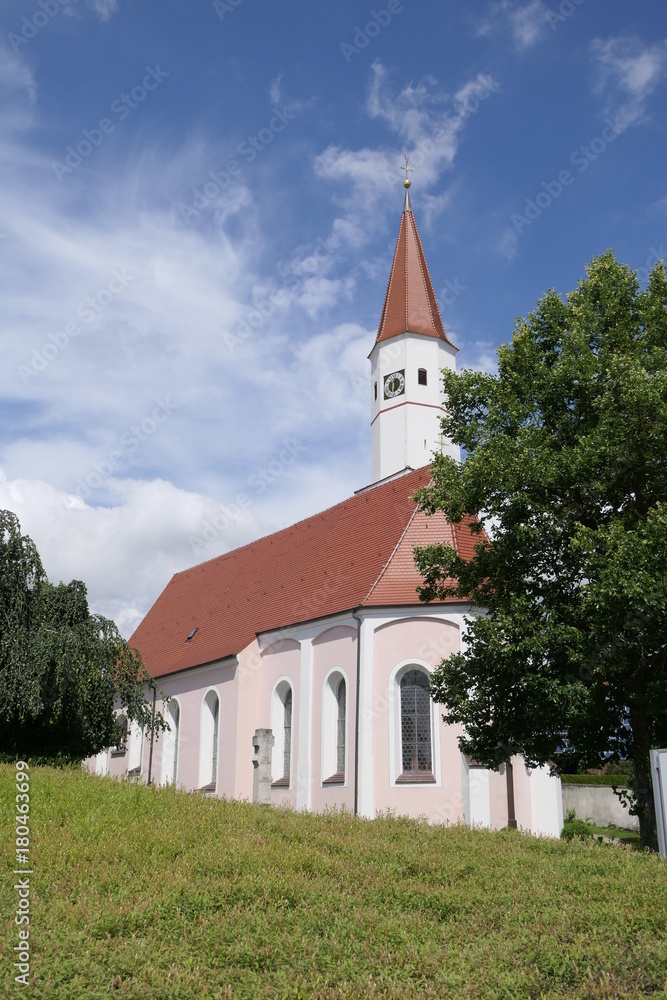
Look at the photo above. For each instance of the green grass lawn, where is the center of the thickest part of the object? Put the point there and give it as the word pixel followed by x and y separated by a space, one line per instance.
pixel 161 894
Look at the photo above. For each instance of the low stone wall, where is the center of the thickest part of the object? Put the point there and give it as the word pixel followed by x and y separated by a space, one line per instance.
pixel 598 804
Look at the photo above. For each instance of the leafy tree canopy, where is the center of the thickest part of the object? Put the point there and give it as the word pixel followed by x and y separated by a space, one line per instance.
pixel 63 672
pixel 566 468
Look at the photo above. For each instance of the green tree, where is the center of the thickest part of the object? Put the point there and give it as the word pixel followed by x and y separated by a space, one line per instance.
pixel 566 468
pixel 63 672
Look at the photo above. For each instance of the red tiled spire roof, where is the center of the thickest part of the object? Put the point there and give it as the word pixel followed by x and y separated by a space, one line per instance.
pixel 410 303
pixel 358 553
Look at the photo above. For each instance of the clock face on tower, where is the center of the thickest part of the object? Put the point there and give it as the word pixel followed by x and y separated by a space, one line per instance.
pixel 394 384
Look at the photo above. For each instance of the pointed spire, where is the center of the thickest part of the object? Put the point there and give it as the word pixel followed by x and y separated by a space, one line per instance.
pixel 410 304
pixel 407 184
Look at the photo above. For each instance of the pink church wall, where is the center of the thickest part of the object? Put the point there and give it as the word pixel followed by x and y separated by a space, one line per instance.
pixel 246 690
pixel 280 660
pixel 422 641
pixel 189 690
pixel 335 648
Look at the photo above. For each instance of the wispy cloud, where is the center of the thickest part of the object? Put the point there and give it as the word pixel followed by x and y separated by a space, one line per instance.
pixel 527 22
pixel 508 242
pixel 628 73
pixel 275 92
pixel 427 121
pixel 104 8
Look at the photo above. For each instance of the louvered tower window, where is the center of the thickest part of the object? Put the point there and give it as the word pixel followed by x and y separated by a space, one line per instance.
pixel 421 376
pixel 415 723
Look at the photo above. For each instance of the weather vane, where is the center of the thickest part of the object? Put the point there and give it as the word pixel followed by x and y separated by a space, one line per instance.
pixel 408 170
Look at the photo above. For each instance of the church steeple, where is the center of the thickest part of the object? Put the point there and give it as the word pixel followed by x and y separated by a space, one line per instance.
pixel 410 302
pixel 410 350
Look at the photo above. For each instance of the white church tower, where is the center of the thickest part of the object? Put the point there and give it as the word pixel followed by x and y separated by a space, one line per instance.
pixel 410 351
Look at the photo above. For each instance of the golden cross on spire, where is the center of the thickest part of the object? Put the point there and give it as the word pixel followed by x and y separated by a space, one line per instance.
pixel 408 170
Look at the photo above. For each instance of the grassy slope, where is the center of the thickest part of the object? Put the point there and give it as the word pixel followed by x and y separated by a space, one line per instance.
pixel 158 894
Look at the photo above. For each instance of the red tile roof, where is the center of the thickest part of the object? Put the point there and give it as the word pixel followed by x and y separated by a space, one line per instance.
pixel 410 302
pixel 358 553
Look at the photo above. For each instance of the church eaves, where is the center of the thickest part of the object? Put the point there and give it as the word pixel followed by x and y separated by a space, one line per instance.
pixel 410 304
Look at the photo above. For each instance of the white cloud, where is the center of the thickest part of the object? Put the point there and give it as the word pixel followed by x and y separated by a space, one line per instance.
pixel 429 124
pixel 508 242
pixel 527 22
pixel 628 73
pixel 275 92
pixel 126 553
pixel 18 93
pixel 105 8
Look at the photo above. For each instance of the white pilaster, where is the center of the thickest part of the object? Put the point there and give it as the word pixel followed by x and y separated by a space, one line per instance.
pixel 366 793
pixel 304 761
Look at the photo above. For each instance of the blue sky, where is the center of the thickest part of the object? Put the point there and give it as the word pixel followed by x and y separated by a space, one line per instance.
pixel 198 211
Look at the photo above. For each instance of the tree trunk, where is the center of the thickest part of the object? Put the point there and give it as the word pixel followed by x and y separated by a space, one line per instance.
pixel 643 786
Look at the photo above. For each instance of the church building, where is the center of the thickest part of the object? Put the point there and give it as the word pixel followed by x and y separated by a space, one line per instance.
pixel 297 666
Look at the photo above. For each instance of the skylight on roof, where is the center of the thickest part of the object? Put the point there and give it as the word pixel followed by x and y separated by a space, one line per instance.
pixel 192 633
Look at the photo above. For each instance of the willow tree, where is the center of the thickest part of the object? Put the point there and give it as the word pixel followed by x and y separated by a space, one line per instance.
pixel 64 673
pixel 566 469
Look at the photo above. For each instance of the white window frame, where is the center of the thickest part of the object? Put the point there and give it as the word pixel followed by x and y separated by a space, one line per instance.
pixel 329 725
pixel 207 735
pixel 282 686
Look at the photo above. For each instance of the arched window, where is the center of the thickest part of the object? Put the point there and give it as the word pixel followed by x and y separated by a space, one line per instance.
pixel 416 756
pixel 340 729
pixel 208 742
pixel 287 738
pixel 334 728
pixel 281 727
pixel 170 745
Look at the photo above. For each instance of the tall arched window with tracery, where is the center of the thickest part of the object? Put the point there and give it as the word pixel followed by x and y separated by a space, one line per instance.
pixel 334 728
pixel 340 727
pixel 416 750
